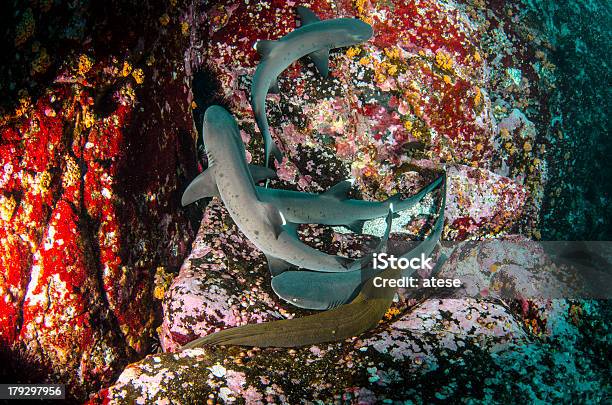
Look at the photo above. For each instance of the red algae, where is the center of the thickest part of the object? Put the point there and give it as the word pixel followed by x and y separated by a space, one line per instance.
pixel 78 286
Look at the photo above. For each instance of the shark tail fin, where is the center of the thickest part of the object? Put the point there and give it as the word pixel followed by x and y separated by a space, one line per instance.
pixel 337 324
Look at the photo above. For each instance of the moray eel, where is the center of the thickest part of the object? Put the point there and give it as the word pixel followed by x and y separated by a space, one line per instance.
pixel 228 176
pixel 345 321
pixel 312 290
pixel 314 38
pixel 331 208
pixel 363 313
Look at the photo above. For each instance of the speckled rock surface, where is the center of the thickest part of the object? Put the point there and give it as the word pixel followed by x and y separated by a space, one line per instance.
pixel 216 283
pixel 424 350
pixel 87 218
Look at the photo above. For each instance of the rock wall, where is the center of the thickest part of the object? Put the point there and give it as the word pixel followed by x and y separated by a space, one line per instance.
pixel 95 150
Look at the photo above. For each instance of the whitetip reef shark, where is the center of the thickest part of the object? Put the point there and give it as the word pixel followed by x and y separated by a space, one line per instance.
pixel 229 177
pixel 360 315
pixel 331 208
pixel 314 38
pixel 312 290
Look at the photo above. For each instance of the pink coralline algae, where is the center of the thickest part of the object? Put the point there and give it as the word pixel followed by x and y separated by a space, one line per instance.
pixel 414 97
pixel 480 202
pixel 418 338
pixel 213 290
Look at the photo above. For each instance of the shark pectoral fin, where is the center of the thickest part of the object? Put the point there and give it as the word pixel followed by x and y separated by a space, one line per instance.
pixel 264 47
pixel 275 218
pixel 274 89
pixel 306 15
pixel 276 265
pixel 356 226
pixel 260 173
pixel 339 191
pixel 204 185
pixel 321 61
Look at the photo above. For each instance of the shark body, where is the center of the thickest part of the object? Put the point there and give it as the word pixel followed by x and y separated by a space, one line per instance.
pixel 229 174
pixel 314 38
pixel 311 290
pixel 331 208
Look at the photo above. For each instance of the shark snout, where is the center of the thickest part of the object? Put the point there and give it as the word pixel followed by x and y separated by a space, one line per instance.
pixel 218 122
pixel 216 114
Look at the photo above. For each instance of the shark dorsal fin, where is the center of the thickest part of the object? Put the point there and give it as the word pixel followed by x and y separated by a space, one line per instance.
pixel 204 185
pixel 264 47
pixel 321 61
pixel 339 191
pixel 306 15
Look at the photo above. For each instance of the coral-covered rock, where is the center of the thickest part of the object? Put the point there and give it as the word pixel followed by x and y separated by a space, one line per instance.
pixel 418 95
pixel 439 83
pixel 87 216
pixel 214 289
pixel 217 284
pixel 512 268
pixel 480 203
pixel 423 350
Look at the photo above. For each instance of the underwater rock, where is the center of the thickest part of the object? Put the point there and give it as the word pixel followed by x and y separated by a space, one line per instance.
pixel 439 83
pixel 481 203
pixel 422 93
pixel 87 217
pixel 221 284
pixel 451 341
